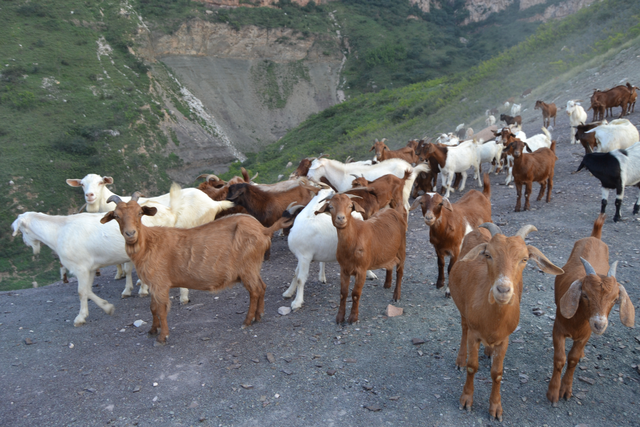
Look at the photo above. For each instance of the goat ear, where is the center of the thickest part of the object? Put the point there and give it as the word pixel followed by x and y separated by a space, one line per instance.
pixel 527 147
pixel 386 148
pixel 108 217
pixel 627 312
pixel 415 204
pixel 107 180
pixel 447 204
pixel 570 300
pixel 358 208
pixel 475 252
pixel 492 299
pixel 149 210
pixel 372 148
pixel 323 209
pixel 74 182
pixel 543 263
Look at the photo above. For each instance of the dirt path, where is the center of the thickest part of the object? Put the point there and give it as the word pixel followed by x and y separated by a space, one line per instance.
pixel 214 373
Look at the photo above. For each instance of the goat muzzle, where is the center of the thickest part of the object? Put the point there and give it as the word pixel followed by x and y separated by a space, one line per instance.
pixel 598 324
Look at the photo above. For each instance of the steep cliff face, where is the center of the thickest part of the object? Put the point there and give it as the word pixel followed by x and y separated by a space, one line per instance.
pixel 257 3
pixel 255 83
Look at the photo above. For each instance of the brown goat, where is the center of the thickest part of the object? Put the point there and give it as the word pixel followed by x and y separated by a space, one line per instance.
pixel 509 120
pixel 436 156
pixel 585 295
pixel 486 286
pixel 449 223
pixel 529 168
pixel 267 206
pixel 384 153
pixel 386 188
pixel 588 140
pixel 210 257
pixel 548 111
pixel 603 101
pixel 379 242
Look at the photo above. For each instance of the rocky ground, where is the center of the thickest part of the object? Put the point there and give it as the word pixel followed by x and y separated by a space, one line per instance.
pixel 302 368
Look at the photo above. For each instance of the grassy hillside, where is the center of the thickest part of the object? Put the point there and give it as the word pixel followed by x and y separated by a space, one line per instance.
pixel 438 105
pixel 73 100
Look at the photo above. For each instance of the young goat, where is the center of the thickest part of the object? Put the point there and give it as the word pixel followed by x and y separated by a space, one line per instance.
pixel 577 116
pixel 529 168
pixel 379 242
pixel 615 170
pixel 384 153
pixel 211 257
pixel 548 111
pixel 486 286
pixel 584 298
pixel 449 223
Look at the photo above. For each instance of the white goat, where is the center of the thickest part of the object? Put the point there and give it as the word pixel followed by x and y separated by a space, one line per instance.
pixel 459 159
pixel 340 174
pixel 460 126
pixel 488 152
pixel 448 139
pixel 313 238
pixel 618 134
pixel 577 116
pixel 491 120
pixel 515 109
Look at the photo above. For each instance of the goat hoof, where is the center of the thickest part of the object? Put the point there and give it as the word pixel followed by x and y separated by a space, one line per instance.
pixel 98 273
pixel 152 333
pixel 125 296
pixel 554 404
pixel 159 343
pixel 80 322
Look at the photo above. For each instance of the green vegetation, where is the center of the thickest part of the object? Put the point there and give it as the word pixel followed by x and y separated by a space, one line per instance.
pixel 439 104
pixel 65 111
pixel 277 81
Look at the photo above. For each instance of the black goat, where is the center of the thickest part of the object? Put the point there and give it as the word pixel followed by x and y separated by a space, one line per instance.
pixel 615 170
pixel 510 120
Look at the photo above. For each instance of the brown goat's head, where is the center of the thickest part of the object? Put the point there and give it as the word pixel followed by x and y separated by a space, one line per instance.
pixel 516 148
pixel 359 181
pixel 432 205
pixel 303 168
pixel 210 181
pixel 340 206
pixel 597 294
pixel 129 216
pixel 380 147
pixel 506 258
pixel 539 104
pixel 236 191
pixel 425 150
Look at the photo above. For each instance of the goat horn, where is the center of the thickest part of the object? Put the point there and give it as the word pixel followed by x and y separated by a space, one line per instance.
pixel 612 270
pixel 290 205
pixel 525 230
pixel 354 175
pixel 81 207
pixel 321 156
pixel 589 269
pixel 494 229
pixel 353 196
pixel 348 159
pixel 254 176
pixel 115 199
pixel 207 176
pixel 136 195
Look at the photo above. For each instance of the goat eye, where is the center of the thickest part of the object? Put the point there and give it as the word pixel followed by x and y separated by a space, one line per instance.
pixel 525 260
pixel 115 216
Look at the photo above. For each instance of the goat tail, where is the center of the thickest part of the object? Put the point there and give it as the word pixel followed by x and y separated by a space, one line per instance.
pixel 279 224
pixel 553 147
pixel 546 132
pixel 486 189
pixel 175 197
pixel 597 226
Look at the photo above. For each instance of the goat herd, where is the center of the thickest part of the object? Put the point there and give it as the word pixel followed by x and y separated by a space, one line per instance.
pixel 356 213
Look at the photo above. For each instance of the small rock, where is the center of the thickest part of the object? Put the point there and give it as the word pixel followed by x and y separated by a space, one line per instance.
pixel 270 358
pixel 205 338
pixel 373 408
pixel 90 390
pixel 234 366
pixel 331 372
pixel 350 360
pixel 524 378
pixel 155 384
pixel 587 380
pixel 524 399
pixel 394 398
pixel 202 419
pixel 286 371
pixel 283 311
pixel 123 330
pixel 139 323
pixel 417 341
pixel 28 341
pixel 155 399
pixel 255 360
pixel 393 311
pixel 71 345
pixel 246 386
pixel 137 389
pixel 367 387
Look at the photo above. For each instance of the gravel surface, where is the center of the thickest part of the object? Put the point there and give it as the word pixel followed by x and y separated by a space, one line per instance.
pixel 302 368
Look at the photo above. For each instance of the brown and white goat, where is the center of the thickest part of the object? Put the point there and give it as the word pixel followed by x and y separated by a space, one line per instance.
pixel 386 188
pixel 436 156
pixel 548 111
pixel 384 153
pixel 529 168
pixel 449 223
pixel 585 295
pixel 486 286
pixel 379 242
pixel 210 257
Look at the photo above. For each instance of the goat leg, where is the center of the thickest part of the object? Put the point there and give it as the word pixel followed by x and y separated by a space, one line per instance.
pixel 461 360
pixel 388 278
pixel 155 324
pixel 473 345
pixel 399 273
pixel 495 401
pixel 527 194
pixel 559 359
pixel 543 186
pixel 617 216
pixel 254 287
pixel 440 281
pixel 519 191
pixel 345 278
pixel 355 296
pixel 550 188
pixel 566 388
